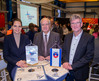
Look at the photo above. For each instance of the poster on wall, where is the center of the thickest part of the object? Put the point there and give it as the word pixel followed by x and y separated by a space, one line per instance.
pixel 28 14
pixel 2 20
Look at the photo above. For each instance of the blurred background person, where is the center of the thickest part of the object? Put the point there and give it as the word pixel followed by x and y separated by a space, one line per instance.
pixel 96 32
pixel 53 26
pixel 14 47
pixel 36 29
pixel 2 32
pixel 59 30
pixel 68 26
pixel 91 30
pixel 65 31
pixel 2 35
pixel 31 31
pixel 85 29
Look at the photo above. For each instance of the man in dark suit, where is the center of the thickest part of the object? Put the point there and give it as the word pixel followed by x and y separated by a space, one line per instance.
pixel 78 51
pixel 45 39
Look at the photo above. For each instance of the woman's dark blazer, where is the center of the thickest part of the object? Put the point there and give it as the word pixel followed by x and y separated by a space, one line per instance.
pixel 11 53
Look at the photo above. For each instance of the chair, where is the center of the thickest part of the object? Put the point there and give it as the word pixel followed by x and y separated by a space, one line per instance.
pixel 3 65
pixel 94 72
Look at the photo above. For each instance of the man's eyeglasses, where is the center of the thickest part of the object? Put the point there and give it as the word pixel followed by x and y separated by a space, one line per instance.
pixel 77 23
pixel 44 24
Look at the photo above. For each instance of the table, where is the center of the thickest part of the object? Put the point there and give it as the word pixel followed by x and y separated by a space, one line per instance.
pixel 49 78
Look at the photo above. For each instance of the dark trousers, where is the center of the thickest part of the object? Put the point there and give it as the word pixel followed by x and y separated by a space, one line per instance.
pixel 10 75
pixel 70 77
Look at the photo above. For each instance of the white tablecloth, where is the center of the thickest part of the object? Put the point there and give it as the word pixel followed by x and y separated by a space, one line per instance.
pixel 46 71
pixel 24 74
pixel 55 75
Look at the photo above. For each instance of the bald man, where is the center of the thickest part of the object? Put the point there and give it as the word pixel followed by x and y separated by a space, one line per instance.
pixel 39 39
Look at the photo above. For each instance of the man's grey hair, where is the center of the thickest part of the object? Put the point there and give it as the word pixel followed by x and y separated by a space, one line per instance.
pixel 45 19
pixel 75 16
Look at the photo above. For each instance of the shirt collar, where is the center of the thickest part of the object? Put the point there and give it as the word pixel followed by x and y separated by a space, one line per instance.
pixel 79 35
pixel 46 34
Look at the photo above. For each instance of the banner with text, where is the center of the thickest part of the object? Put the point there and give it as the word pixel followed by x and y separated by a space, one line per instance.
pixel 90 20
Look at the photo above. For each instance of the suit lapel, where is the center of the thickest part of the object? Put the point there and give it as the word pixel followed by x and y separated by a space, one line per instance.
pixel 49 41
pixel 20 43
pixel 69 42
pixel 14 44
pixel 13 40
pixel 41 41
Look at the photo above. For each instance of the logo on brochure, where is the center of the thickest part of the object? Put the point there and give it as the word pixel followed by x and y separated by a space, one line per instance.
pixel 32 52
pixel 55 54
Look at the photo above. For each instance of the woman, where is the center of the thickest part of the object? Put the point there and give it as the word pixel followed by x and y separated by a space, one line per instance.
pixel 14 47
